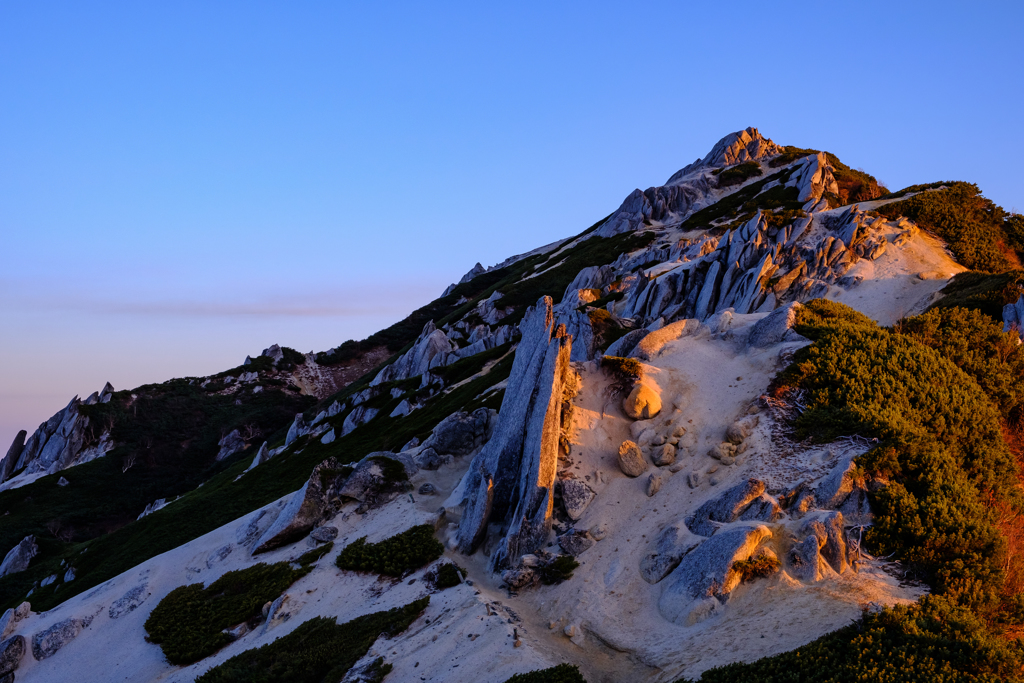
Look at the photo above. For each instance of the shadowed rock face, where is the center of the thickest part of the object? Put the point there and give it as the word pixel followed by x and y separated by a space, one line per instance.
pixel 512 478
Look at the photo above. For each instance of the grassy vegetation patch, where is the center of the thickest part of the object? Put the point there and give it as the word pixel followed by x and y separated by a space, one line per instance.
pixel 739 174
pixel 311 557
pixel 394 556
pixel 983 292
pixel 976 229
pixel 320 650
pixel 188 622
pixel 563 673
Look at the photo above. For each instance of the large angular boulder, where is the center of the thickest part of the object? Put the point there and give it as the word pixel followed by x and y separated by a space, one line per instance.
pixel 776 327
pixel 706 574
pixel 725 508
pixel 431 349
pixel 19 556
pixel 837 486
pixel 46 643
pixel 304 509
pixel 378 478
pixel 827 528
pixel 806 562
pixel 229 445
pixel 764 508
pixel 11 651
pixel 668 549
pixel 461 433
pixel 654 342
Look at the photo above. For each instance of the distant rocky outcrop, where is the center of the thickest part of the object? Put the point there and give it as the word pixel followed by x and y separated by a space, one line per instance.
pixel 62 441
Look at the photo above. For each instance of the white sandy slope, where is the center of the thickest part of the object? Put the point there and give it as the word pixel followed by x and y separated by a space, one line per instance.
pixel 707 380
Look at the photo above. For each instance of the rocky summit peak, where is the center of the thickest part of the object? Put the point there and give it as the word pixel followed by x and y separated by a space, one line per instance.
pixel 734 148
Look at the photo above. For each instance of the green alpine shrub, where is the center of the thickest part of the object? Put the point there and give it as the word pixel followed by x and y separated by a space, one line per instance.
pixel 319 650
pixel 394 556
pixel 188 622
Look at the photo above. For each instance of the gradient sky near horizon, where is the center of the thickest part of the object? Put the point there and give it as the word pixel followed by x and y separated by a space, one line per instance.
pixel 186 183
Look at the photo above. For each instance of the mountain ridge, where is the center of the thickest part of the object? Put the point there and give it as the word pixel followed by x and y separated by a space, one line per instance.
pixel 721 264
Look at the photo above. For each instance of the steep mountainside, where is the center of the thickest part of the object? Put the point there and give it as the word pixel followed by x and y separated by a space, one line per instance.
pixel 700 439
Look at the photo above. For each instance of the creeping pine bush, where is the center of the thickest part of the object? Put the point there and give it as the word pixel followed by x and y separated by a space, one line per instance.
pixel 188 622
pixel 393 556
pixel 934 641
pixel 983 292
pixel 319 650
pixel 976 229
pixel 941 446
pixel 738 174
pixel 563 673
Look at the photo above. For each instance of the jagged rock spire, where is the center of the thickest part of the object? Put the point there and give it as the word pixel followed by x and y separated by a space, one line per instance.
pixel 513 476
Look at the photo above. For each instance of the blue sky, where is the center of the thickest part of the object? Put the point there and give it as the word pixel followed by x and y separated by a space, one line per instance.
pixel 182 184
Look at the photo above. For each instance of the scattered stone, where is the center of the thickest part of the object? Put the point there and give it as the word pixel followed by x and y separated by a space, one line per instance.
pixel 576 496
pixel 599 532
pixel 631 459
pixel 129 601
pixel 19 556
pixel 693 479
pixel 62 482
pixel 69 575
pixel 642 403
pixel 653 484
pixel 427 489
pixel 518 578
pixel 664 455
pixel 725 508
pixel 741 429
pixel 575 542
pixel 327 438
pixel 324 534
pixel 723 450
pixel 429 459
pixel 47 643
